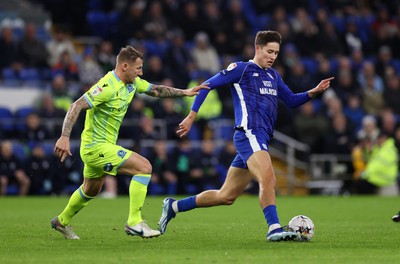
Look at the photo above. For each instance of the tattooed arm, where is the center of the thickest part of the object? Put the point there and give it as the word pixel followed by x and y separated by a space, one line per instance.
pixel 73 114
pixel 166 91
pixel 62 147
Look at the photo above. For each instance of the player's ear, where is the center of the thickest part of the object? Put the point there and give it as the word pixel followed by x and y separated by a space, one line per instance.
pixel 124 66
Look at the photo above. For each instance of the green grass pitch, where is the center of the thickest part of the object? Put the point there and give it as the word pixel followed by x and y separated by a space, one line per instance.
pixel 348 230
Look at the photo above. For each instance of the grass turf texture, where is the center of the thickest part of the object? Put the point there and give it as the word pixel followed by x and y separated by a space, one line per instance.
pixel 348 230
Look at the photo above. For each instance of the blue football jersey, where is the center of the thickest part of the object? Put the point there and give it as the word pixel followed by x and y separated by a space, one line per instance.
pixel 255 93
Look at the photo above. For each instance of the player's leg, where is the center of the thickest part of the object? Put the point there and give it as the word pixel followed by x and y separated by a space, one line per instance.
pixel 23 181
pixel 97 164
pixel 236 181
pixel 260 166
pixel 110 188
pixel 78 200
pixel 140 168
pixel 3 185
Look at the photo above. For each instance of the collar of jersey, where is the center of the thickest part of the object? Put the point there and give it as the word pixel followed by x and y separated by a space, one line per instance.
pixel 115 75
pixel 252 61
pixel 118 79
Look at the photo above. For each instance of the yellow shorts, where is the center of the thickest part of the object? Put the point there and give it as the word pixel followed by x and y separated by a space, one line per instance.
pixel 103 158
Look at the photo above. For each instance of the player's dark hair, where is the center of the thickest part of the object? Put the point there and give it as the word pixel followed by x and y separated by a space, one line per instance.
pixel 265 37
pixel 129 54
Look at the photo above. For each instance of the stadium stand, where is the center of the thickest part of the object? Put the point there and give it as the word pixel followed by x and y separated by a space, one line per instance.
pixel 99 21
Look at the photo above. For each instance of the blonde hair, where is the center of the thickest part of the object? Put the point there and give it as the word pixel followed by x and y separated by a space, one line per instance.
pixel 128 54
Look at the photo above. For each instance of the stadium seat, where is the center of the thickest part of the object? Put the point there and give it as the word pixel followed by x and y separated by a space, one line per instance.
pixel 12 189
pixel 30 77
pixel 48 148
pixel 113 19
pixel 8 74
pixel 334 64
pixel 46 74
pixel 250 15
pixel 98 22
pixel 10 77
pixel 6 121
pixel 5 113
pixel 261 22
pixel 20 151
pixel 194 133
pixel 396 65
pixel 20 115
pixel 310 64
pixel 317 103
pixel 156 48
pixel 43 34
pixel 189 45
pixel 22 112
pixel 18 33
pixel 339 23
pixel 29 74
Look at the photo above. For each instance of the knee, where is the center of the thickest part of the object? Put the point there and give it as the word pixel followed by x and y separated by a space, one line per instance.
pixel 145 167
pixel 226 199
pixel 268 182
pixel 267 185
pixel 91 191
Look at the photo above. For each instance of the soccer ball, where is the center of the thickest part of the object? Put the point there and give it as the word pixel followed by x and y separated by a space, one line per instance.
pixel 303 226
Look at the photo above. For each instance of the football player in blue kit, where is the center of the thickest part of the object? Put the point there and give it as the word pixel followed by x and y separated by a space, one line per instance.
pixel 255 88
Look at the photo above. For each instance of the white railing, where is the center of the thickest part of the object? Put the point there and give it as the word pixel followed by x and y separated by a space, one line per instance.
pixel 288 154
pixel 328 172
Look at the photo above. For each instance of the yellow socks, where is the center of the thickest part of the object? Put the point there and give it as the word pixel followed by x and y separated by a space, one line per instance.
pixel 77 201
pixel 137 195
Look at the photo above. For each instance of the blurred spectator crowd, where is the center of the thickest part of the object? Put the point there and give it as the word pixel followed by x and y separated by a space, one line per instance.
pixel 184 43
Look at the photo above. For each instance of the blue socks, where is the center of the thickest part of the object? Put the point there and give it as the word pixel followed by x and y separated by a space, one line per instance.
pixel 271 215
pixel 187 204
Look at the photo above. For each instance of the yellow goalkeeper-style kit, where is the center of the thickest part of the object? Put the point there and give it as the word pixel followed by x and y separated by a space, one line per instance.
pixel 109 99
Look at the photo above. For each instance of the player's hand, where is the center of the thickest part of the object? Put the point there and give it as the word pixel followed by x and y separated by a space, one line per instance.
pixel 325 83
pixel 184 126
pixel 62 148
pixel 195 90
pixel 321 87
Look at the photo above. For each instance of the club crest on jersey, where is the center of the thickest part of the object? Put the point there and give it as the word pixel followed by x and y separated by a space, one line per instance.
pixel 121 153
pixel 96 91
pixel 130 87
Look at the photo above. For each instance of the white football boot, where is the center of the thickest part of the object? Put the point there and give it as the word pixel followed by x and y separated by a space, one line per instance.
pixel 142 230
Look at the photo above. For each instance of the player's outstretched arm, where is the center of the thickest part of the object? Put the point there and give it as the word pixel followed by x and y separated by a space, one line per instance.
pixel 62 147
pixel 166 91
pixel 186 124
pixel 321 87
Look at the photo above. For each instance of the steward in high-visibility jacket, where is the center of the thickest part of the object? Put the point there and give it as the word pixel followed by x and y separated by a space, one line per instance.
pixel 382 166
